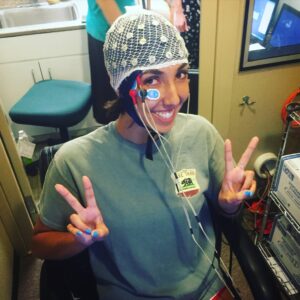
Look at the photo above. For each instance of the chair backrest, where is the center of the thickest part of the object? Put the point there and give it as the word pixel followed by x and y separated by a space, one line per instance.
pixel 45 159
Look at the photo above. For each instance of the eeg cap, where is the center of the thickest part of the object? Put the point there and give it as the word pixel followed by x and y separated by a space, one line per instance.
pixel 141 40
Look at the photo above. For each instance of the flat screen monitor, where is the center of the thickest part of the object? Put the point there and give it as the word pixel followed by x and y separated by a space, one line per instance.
pixel 286 31
pixel 276 28
pixel 262 16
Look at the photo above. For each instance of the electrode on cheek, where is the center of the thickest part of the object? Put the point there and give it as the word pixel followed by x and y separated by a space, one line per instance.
pixel 151 94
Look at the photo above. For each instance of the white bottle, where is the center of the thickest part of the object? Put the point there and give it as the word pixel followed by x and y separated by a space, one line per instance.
pixel 25 147
pixel 22 136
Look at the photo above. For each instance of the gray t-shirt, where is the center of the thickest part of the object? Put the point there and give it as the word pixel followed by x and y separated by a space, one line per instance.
pixel 149 252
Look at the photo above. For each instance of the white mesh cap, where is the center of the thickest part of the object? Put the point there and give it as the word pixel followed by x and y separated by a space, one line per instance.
pixel 141 40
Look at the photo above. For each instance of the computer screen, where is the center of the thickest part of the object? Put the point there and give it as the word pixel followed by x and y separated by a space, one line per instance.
pixel 271 34
pixel 262 16
pixel 286 31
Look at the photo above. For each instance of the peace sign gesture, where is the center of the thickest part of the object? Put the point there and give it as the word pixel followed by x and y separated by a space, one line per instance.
pixel 238 184
pixel 87 223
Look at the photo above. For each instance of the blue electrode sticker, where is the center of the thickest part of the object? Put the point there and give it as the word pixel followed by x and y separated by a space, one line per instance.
pixel 151 94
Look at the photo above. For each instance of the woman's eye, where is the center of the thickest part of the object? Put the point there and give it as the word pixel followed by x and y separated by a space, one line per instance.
pixel 150 81
pixel 182 74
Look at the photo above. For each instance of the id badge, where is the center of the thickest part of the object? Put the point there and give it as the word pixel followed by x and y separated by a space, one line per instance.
pixel 186 183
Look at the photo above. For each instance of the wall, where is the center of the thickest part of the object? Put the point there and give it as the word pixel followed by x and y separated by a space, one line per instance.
pixel 222 86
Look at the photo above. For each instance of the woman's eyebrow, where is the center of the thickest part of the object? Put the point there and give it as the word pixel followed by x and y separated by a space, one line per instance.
pixel 183 66
pixel 158 72
pixel 153 71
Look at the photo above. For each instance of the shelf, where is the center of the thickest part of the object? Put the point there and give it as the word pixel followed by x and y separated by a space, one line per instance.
pixel 280 274
pixel 277 266
pixel 288 216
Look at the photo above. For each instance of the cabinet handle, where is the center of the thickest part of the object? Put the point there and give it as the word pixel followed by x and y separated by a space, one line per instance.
pixel 246 101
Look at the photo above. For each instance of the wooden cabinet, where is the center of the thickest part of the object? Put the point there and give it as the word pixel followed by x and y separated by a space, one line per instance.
pixel 29 59
pixel 17 206
pixel 14 214
pixel 6 264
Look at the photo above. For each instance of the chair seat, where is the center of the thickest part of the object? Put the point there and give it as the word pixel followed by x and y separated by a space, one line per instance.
pixel 53 103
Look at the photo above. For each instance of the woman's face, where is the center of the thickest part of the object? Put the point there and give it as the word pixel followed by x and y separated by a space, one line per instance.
pixel 172 83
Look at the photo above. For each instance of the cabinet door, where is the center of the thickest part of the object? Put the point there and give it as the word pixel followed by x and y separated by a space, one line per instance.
pixel 16 79
pixel 6 263
pixel 13 211
pixel 75 67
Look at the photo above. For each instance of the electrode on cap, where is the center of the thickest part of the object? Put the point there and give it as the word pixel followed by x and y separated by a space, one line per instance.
pixel 265 163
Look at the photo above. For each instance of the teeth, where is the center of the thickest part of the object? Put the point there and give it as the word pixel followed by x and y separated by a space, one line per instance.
pixel 164 114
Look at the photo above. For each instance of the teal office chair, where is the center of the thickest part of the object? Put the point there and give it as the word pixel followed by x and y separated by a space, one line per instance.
pixel 53 103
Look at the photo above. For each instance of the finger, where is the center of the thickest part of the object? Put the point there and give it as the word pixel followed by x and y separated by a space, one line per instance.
pixel 79 235
pixel 248 179
pixel 250 192
pixel 77 222
pixel 75 231
pixel 248 152
pixel 89 192
pixel 90 195
pixel 73 202
pixel 100 232
pixel 228 156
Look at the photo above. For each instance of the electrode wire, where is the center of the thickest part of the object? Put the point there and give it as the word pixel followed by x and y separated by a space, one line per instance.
pixel 171 169
pixel 161 137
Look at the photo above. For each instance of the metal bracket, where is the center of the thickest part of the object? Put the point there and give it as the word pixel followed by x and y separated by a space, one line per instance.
pixel 246 101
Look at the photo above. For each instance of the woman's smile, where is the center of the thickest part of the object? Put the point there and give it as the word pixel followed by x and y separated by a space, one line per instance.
pixel 165 115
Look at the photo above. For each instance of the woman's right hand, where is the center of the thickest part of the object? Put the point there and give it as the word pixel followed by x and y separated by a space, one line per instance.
pixel 87 223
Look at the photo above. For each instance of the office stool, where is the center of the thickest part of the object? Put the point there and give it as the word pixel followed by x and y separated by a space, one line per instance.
pixel 53 103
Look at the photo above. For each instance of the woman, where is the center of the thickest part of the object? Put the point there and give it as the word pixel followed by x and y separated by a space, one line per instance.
pixel 142 206
pixel 185 15
pixel 101 14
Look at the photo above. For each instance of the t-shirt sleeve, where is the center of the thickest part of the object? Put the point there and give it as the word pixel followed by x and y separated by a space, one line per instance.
pixel 54 209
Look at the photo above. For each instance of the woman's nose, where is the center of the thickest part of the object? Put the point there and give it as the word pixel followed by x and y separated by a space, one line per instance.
pixel 172 95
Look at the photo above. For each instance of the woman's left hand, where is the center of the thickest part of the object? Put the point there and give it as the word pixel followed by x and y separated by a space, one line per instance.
pixel 238 183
